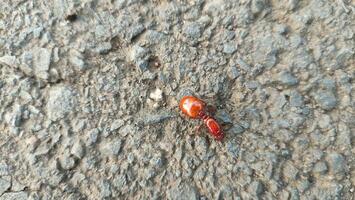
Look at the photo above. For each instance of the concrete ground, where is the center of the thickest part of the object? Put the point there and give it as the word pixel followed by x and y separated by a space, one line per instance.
pixel 89 95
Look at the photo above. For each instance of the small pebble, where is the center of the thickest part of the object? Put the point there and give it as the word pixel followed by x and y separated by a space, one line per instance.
pixel 286 78
pixel 326 100
pixel 256 188
pixel 8 60
pixel 112 148
pixel 78 150
pixel 337 163
pixel 229 48
pixel 4 185
pixel 156 95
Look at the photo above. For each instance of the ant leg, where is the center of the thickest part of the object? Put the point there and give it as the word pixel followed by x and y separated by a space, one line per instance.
pixel 211 109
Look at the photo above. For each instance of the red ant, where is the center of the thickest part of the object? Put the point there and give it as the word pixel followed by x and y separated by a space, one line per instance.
pixel 196 108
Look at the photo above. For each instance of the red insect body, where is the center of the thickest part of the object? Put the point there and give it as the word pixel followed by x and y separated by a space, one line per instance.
pixel 212 126
pixel 195 108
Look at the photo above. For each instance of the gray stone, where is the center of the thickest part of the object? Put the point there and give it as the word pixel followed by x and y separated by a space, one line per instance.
pixel 89 162
pixel 333 190
pixel 61 102
pixel 326 100
pixel 233 72
pixel 147 75
pixel 101 32
pixel 14 196
pixel 256 188
pixel 37 31
pixel 296 41
pixel 244 16
pixel 257 70
pixel 156 118
pixel 201 145
pixel 291 4
pixel 286 78
pixel 252 85
pixel 4 185
pixel 324 121
pixel 130 158
pixel 284 194
pixel 233 148
pixel 67 162
pixel 154 37
pixel 120 181
pixel 301 143
pixel 192 31
pixel 135 31
pixel 105 189
pixel 16 186
pixel 55 177
pixel 229 48
pixel 327 84
pixel 140 56
pixel 315 155
pixel 9 61
pixel 32 143
pixel 290 171
pixel 303 185
pixel 294 194
pixel 77 60
pixel 243 65
pixel 223 116
pixel 190 162
pixel 274 185
pixel 320 168
pixel 127 129
pixel 118 123
pixel 301 58
pixel 45 39
pixel 14 118
pixel 182 192
pixel 41 62
pixel 200 173
pixel 236 129
pixel 44 147
pixel 337 163
pixel 343 56
pixel 78 150
pixel 344 135
pixel 244 124
pixel 257 6
pixel 281 29
pixel 226 193
pixel 150 173
pixel 103 48
pixel 296 99
pixel 158 161
pixel 111 148
pixel 270 59
pixel 93 136
pixel 295 119
pixel 138 52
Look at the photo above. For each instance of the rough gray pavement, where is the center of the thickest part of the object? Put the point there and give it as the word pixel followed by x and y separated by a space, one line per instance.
pixel 89 94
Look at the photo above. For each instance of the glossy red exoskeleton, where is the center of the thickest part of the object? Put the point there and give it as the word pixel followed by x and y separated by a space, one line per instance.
pixel 196 108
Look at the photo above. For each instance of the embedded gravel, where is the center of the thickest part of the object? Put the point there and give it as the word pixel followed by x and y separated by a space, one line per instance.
pixel 89 94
